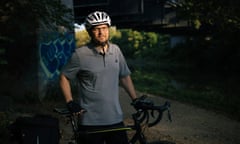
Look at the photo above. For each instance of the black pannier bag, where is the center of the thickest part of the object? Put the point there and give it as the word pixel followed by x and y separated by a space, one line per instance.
pixel 39 129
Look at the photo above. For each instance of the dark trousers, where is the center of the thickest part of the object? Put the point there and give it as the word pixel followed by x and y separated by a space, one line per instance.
pixel 112 137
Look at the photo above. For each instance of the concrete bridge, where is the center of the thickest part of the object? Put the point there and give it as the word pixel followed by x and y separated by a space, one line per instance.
pixel 148 15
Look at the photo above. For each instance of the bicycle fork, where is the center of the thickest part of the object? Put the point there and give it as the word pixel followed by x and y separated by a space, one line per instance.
pixel 138 136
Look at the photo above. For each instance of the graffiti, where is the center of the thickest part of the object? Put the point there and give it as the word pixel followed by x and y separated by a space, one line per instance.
pixel 54 54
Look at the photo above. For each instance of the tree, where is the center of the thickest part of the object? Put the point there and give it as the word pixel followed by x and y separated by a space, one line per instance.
pixel 219 20
pixel 220 14
pixel 19 21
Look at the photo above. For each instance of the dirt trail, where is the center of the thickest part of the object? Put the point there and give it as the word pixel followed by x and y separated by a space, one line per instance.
pixel 190 125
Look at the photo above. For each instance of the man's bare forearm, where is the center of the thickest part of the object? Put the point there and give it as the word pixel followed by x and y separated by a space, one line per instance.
pixel 66 88
pixel 128 86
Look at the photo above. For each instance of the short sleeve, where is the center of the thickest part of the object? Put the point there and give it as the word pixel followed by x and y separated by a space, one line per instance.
pixel 72 67
pixel 124 70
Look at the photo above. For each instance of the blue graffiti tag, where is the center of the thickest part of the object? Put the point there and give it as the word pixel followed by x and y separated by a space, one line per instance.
pixel 54 54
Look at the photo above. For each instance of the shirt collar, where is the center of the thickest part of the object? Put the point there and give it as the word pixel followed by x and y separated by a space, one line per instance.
pixel 93 47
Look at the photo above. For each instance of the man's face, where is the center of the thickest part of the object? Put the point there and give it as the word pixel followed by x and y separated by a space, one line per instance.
pixel 100 34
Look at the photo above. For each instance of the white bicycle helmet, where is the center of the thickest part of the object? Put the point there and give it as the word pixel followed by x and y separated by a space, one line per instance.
pixel 97 18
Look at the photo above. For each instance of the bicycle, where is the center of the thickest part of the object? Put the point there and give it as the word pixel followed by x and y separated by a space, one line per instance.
pixel 146 115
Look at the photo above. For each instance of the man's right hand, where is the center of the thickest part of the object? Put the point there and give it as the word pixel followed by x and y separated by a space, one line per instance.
pixel 75 108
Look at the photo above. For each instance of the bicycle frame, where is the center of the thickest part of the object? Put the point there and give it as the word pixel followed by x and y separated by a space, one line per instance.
pixel 142 115
pixel 138 136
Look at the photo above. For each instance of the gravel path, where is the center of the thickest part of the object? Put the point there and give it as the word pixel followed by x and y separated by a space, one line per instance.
pixel 190 125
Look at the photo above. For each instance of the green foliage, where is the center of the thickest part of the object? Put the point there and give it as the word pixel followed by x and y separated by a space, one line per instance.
pixel 81 38
pixel 223 15
pixel 134 44
pixel 214 46
pixel 52 11
pixel 152 82
pixel 24 16
pixel 202 91
pixel 191 72
pixel 142 45
pixel 130 41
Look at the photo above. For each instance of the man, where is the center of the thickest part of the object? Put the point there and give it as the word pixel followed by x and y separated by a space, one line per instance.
pixel 99 67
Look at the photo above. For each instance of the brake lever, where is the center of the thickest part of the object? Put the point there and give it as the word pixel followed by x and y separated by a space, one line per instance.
pixel 147 117
pixel 160 114
pixel 157 120
pixel 169 115
pixel 168 105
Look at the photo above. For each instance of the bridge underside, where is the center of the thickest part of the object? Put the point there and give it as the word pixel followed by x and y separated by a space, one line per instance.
pixel 144 15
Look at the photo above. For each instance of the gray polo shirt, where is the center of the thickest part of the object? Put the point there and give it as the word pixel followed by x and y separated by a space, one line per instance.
pixel 98 77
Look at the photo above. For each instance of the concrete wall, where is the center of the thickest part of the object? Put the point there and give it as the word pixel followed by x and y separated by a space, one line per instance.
pixel 33 57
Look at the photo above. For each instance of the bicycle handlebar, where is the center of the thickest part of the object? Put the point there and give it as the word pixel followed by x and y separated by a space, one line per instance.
pixel 148 109
pixel 62 111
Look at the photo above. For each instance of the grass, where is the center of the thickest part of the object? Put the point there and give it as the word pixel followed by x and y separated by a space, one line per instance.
pixel 206 91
